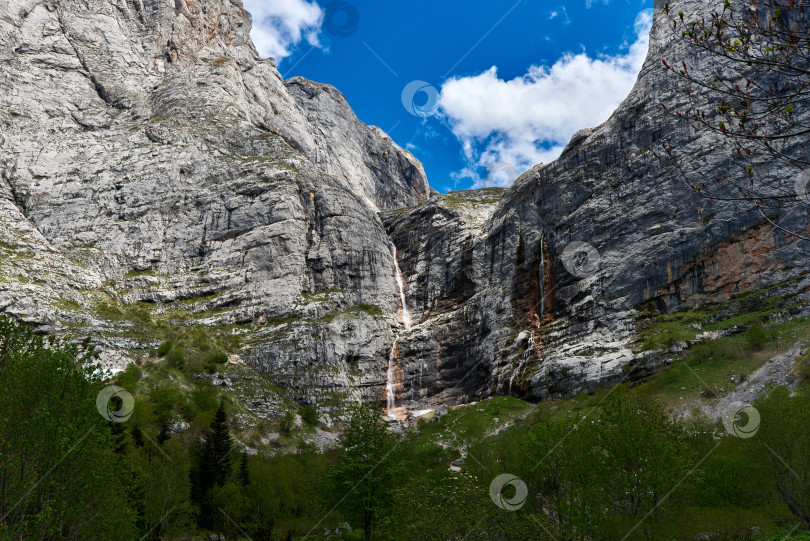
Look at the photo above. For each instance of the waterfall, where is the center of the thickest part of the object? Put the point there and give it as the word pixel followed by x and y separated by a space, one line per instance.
pixel 523 358
pixel 390 397
pixel 406 315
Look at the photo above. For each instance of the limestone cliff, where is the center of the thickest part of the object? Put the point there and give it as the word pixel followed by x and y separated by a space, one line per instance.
pixel 151 160
pixel 156 172
pixel 550 294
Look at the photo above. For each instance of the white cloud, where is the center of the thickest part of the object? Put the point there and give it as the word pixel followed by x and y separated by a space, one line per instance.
pixel 559 13
pixel 643 22
pixel 279 25
pixel 530 119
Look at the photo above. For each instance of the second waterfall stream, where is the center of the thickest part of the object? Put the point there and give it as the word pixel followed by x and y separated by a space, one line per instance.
pixel 390 395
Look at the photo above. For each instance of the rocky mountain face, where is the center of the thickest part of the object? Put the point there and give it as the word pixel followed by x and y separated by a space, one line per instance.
pixel 549 295
pixel 156 172
pixel 151 159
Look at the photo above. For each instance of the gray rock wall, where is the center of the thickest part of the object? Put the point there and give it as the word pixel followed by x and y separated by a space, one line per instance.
pixel 529 325
pixel 150 159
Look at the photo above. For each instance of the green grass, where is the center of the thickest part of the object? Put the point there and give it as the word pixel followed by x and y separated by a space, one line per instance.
pixel 803 366
pixel 197 299
pixel 706 364
pixel 456 202
pixel 283 320
pixel 68 305
pixel 563 409
pixel 140 322
pixel 182 316
pixel 137 273
pixel 709 364
pixel 663 330
pixel 468 423
pixel 369 309
pixel 318 294
pixel 667 329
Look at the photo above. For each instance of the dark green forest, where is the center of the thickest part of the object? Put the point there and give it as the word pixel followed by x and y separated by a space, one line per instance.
pixel 77 466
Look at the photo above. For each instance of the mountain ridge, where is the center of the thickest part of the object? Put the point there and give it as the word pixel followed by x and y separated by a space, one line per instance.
pixel 157 174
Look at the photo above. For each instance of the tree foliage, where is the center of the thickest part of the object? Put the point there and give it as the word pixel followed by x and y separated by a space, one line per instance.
pixel 784 434
pixel 367 470
pixel 754 94
pixel 59 475
pixel 214 469
pixel 616 474
pixel 624 470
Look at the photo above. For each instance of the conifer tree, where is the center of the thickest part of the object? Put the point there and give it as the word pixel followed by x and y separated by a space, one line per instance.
pixel 244 476
pixel 214 464
pixel 218 448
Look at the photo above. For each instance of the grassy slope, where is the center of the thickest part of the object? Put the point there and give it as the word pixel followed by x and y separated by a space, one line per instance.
pixel 682 382
pixel 758 334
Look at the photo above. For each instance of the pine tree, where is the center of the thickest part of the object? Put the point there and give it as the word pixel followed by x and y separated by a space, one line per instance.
pixel 244 476
pixel 367 468
pixel 214 464
pixel 137 436
pixel 164 433
pixel 119 435
pixel 219 446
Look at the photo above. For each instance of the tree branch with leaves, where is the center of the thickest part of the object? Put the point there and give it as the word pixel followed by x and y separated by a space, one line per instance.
pixel 755 98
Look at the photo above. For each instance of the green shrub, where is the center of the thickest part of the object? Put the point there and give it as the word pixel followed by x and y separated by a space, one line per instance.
pixel 129 377
pixel 310 415
pixel 786 534
pixel 217 358
pixel 203 398
pixel 164 348
pixel 165 400
pixel 287 423
pixel 176 358
pixel 756 337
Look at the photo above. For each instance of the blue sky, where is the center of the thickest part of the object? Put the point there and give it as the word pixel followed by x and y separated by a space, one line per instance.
pixel 478 90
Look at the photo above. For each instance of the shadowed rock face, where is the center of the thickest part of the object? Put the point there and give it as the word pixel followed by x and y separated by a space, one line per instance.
pixel 149 157
pixel 653 246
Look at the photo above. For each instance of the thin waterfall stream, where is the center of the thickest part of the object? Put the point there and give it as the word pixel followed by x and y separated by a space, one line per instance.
pixel 405 317
pixel 390 399
pixel 523 358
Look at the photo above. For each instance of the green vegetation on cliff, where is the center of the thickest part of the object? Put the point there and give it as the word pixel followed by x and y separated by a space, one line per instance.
pixel 612 465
